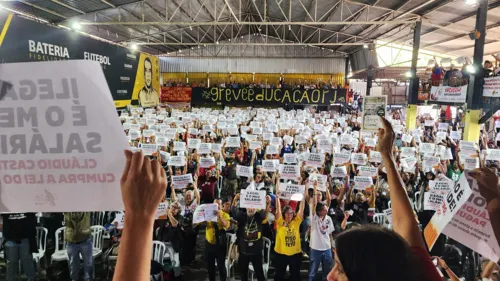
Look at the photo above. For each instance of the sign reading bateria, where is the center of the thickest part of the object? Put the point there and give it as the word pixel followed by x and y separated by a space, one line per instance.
pixel 257 96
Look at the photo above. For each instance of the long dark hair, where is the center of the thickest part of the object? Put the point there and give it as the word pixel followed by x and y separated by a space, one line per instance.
pixel 373 253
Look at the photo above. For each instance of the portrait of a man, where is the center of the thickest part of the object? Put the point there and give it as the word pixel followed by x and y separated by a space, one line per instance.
pixel 148 97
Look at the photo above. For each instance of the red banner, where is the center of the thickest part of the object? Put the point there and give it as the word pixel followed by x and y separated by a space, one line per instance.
pixel 176 94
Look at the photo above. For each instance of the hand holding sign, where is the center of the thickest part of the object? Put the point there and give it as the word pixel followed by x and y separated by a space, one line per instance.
pixel 487 182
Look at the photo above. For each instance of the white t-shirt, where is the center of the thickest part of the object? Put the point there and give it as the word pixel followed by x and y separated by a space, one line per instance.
pixel 320 233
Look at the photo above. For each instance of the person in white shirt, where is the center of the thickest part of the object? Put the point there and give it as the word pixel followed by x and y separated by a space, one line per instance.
pixel 321 239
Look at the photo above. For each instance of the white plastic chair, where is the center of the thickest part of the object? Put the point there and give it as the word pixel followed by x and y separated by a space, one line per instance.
pixel 266 255
pixel 97 218
pixel 389 204
pixel 159 250
pixel 231 238
pixel 41 242
pixel 60 254
pixel 379 218
pixel 417 201
pixel 97 243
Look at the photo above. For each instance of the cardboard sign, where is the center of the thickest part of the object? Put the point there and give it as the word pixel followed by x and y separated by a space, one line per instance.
pixel 374 107
pixel 315 159
pixel 290 158
pixel 207 162
pixel 289 171
pixel 341 158
pixel 362 182
pixel 375 157
pixel 367 171
pixel 205 148
pixel 244 171
pixel 205 212
pixel 255 199
pixel 358 158
pixel 180 182
pixel 288 190
pixel 177 161
pixel 61 143
pixel 179 146
pixel 233 142
pixel 339 172
pixel 454 200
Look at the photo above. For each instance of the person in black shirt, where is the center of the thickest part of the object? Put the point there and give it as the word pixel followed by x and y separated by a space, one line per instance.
pixel 250 243
pixel 19 232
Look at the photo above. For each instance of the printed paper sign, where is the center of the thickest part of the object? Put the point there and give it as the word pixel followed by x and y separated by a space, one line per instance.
pixel 456 135
pixel 269 165
pixel 471 163
pixel 161 211
pixel 429 123
pixel 300 139
pixel 388 215
pixel 427 147
pixel 315 159
pixel 61 144
pixel 358 158
pixel 454 200
pixel 148 148
pixel 448 94
pixel 205 212
pixel 370 142
pixel 493 154
pixel 290 158
pixel 373 108
pixel 289 171
pixel 362 182
pixel 443 127
pixel 276 141
pixel 325 144
pixel 346 139
pixel 491 87
pixel 446 154
pixel 289 189
pixel 322 181
pixel 407 138
pixel 255 145
pixel 179 146
pixel 233 142
pixel 442 184
pixel 375 157
pixel 255 199
pixel 207 162
pixel 431 162
pixel 409 162
pixel 441 135
pixel 367 171
pixel 205 148
pixel 341 158
pixel 182 181
pixel 339 172
pixel 244 171
pixel 433 200
pixel 162 141
pixel 216 147
pixel 177 161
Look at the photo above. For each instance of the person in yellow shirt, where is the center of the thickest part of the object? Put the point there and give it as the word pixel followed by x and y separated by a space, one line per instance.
pixel 288 248
pixel 215 240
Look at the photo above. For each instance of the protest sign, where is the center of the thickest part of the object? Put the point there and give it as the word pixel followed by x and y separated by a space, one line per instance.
pixel 429 123
pixel 471 163
pixel 358 158
pixel 346 139
pixel 289 171
pixel 255 199
pixel 441 135
pixel 341 158
pixel 443 127
pixel 269 165
pixel 433 200
pixel 446 154
pixel 148 148
pixel 233 142
pixel 456 135
pixel 407 138
pixel 427 147
pixel 216 147
pixel 339 172
pixel 374 107
pixel 179 146
pixel 324 144
pixel 161 211
pixel 204 148
pixel 388 215
pixel 255 145
pixel 454 200
pixel 493 154
pixel 272 149
pixel 290 158
pixel 362 182
pixel 180 182
pixel 244 171
pixel 59 143
pixel 322 181
pixel 257 131
pixel 367 171
pixel 119 220
pixel 289 189
pixel 315 159
pixel 162 141
pixel 276 141
pixel 370 142
pixel 300 139
pixel 375 157
pixel 207 162
pixel 164 156
pixel 177 161
pixel 430 162
pixel 205 212
pixel 409 162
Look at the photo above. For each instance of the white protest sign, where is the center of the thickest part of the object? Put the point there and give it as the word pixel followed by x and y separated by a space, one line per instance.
pixel 427 147
pixel 433 200
pixel 205 212
pixel 300 139
pixel 388 215
pixel 161 211
pixel 290 158
pixel 358 158
pixel 430 162
pixel 269 165
pixel 148 148
pixel 457 196
pixel 493 154
pixel 272 149
pixel 288 190
pixel 315 159
pixel 182 181
pixel 177 161
pixel 341 158
pixel 367 171
pixel 62 143
pixel 207 162
pixel 267 136
pixel 441 135
pixel 205 148
pixel 471 163
pixel 346 139
pixel 244 171
pixel 370 142
pixel 289 171
pixel 276 141
pixel 409 162
pixel 441 184
pixel 255 144
pixel 322 181
pixel 375 157
pixel 456 135
pixel 407 151
pixel 339 172
pixel 162 141
pixel 325 144
pixel 429 123
pixel 179 146
pixel 443 126
pixel 362 182
pixel 407 138
pixel 255 199
pixel 446 154
pixel 373 108
pixel 216 147
pixel 233 142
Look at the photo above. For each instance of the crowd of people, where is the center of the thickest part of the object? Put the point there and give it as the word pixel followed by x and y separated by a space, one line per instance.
pixel 263 85
pixel 456 77
pixel 352 202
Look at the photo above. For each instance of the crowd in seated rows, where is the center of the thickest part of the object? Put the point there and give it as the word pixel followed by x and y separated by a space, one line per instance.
pixel 262 85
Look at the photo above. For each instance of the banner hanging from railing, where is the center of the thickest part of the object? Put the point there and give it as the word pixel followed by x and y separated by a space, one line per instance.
pixel 266 97
pixel 176 94
pixel 448 94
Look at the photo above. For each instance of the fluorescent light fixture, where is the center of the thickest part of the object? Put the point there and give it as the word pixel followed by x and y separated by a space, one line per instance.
pixel 408 74
pixel 76 25
pixel 217 42
pixel 470 69
pixel 365 46
pixel 190 28
pixel 134 47
pixel 471 2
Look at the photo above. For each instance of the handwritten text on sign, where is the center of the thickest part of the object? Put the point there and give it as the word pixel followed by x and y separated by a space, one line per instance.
pixel 253 199
pixel 59 143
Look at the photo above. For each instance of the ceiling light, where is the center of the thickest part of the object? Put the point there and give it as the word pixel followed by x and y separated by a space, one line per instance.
pixel 180 51
pixel 192 48
pixel 365 46
pixel 190 28
pixel 76 25
pixel 198 46
pixel 241 37
pixel 470 69
pixel 289 27
pixel 229 40
pixel 408 74
pixel 471 2
pixel 204 45
pixel 134 47
pixel 217 42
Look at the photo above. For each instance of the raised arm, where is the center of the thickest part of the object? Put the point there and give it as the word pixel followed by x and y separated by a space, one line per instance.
pixel 314 199
pixel 278 204
pixel 302 205
pixel 403 219
pixel 171 218
pixel 196 191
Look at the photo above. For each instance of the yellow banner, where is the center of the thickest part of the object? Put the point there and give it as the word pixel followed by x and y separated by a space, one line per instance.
pixel 147 81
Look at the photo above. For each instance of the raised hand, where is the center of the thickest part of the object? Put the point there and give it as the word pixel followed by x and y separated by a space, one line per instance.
pixel 386 138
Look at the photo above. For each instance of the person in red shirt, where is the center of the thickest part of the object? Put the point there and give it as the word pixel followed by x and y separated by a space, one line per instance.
pixel 206 184
pixel 375 253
